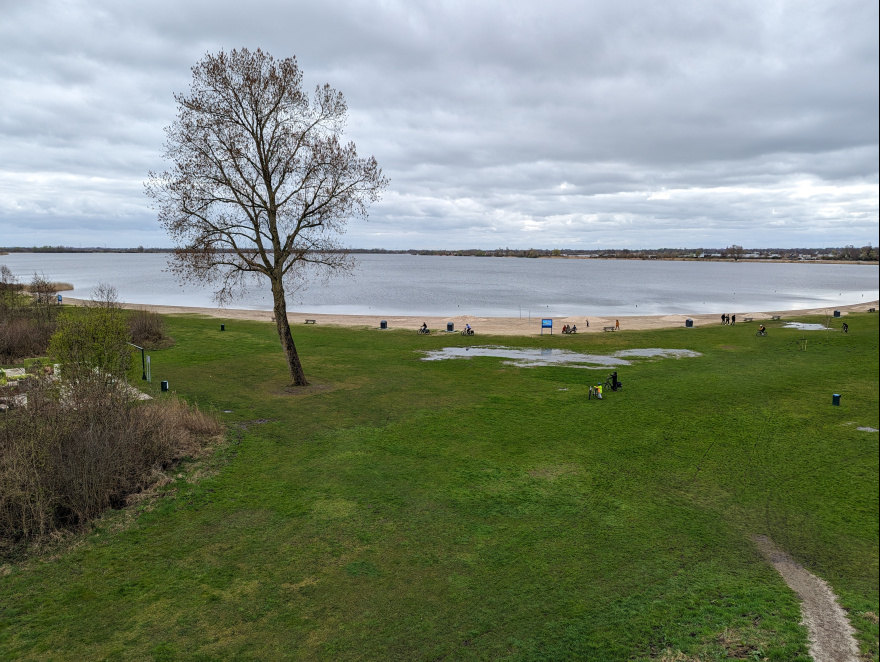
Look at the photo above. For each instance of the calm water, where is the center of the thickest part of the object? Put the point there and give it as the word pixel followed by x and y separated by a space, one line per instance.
pixel 490 287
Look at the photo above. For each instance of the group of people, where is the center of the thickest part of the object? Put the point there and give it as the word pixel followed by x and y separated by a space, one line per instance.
pixel 468 329
pixel 728 319
pixel 570 329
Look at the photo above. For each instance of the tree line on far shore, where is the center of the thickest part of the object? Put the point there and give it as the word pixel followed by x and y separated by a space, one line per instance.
pixel 847 253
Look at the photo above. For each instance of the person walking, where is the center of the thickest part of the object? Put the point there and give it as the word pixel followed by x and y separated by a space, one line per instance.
pixel 617 324
pixel 723 319
pixel 733 319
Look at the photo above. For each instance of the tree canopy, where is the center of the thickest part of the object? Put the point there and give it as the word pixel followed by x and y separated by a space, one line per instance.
pixel 260 182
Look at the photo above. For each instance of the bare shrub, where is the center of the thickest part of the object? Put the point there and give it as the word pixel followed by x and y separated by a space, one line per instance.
pixel 21 338
pixel 81 447
pixel 27 316
pixel 10 292
pixel 44 300
pixel 148 329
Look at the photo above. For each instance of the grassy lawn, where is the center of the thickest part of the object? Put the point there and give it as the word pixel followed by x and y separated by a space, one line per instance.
pixel 474 510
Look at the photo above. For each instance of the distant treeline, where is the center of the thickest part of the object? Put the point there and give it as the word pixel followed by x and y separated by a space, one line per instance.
pixel 850 253
pixel 78 249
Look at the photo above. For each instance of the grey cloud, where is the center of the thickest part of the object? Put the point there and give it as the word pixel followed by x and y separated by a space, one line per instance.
pixel 498 123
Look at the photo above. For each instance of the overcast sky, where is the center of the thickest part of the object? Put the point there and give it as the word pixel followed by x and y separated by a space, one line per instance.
pixel 608 123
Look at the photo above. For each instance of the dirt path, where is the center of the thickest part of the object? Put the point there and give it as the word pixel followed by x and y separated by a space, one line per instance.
pixel 832 638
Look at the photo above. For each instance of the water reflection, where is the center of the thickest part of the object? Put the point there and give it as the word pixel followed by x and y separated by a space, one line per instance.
pixel 525 357
pixel 803 326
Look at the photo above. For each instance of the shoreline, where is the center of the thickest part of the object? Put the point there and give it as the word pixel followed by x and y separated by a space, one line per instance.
pixel 501 326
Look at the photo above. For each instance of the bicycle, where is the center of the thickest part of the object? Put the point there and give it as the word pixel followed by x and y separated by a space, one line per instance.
pixel 761 332
pixel 610 383
pixel 594 393
pixel 467 332
pixel 425 331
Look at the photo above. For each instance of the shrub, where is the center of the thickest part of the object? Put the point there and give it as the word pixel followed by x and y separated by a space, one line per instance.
pixel 90 339
pixel 81 447
pixel 22 337
pixel 147 329
pixel 27 316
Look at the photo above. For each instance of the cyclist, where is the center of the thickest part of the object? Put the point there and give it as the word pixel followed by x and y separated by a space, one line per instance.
pixel 468 330
pixel 424 328
pixel 762 331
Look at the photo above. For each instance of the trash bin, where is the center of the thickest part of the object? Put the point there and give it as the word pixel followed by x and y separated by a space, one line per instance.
pixel 837 313
pixel 223 327
pixel 689 324
pixel 383 324
pixel 835 399
pixel 450 326
pixel 165 387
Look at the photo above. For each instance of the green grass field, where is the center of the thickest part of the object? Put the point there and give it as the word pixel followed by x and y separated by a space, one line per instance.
pixel 399 509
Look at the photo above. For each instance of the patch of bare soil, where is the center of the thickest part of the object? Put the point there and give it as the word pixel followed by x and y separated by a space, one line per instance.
pixel 832 638
pixel 311 389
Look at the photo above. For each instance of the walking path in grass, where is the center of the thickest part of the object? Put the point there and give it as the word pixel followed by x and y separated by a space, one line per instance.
pixel 502 326
pixel 832 638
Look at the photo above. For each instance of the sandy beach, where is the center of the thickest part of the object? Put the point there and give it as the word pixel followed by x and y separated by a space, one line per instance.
pixel 502 326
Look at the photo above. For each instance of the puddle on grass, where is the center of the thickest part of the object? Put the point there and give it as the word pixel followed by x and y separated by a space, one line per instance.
pixel 804 326
pixel 528 358
pixel 867 429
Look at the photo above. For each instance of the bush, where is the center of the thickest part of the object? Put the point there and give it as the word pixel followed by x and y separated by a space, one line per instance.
pixel 27 316
pixel 80 448
pixel 89 339
pixel 22 337
pixel 147 329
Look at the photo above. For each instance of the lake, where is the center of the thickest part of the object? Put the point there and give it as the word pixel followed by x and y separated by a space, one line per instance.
pixel 489 287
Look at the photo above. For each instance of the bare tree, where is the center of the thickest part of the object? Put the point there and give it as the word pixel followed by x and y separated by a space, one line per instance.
pixel 735 251
pixel 260 183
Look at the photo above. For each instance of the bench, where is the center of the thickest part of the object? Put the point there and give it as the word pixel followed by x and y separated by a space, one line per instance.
pixel 608 328
pixel 749 319
pixel 776 317
pixel 310 321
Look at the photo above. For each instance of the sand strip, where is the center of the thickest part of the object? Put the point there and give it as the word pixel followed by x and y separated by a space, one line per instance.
pixel 502 326
pixel 832 638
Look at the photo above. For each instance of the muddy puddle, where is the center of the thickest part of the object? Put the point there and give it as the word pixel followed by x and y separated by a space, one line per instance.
pixel 527 358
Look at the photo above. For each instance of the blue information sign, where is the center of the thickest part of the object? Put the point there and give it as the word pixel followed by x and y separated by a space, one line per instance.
pixel 546 324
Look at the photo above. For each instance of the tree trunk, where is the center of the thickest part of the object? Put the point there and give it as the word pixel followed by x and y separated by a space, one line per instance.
pixel 297 376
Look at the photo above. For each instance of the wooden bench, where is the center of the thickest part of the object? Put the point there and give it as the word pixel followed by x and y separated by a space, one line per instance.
pixel 749 319
pixel 608 328
pixel 776 317
pixel 310 321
